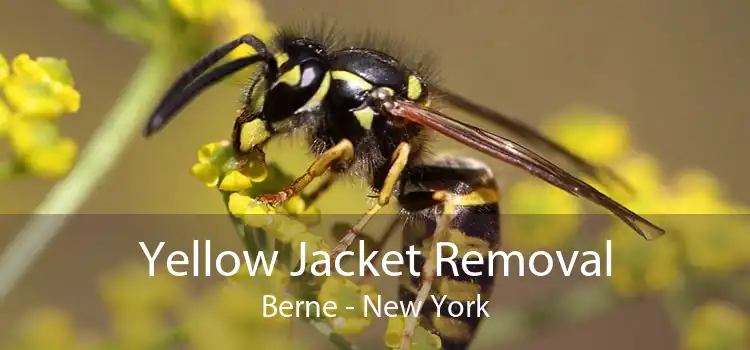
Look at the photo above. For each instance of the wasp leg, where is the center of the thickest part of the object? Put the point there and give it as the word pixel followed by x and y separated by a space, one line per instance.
pixel 341 152
pixel 400 158
pixel 314 195
pixel 429 269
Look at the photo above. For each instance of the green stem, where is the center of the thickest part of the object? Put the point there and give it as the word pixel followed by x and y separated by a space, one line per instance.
pixel 96 161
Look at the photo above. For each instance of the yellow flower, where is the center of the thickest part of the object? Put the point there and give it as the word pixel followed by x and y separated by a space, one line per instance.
pixel 643 173
pixel 717 326
pixel 231 317
pixel 27 135
pixel 697 192
pixel 297 207
pixel 239 204
pixel 47 329
pixel 53 161
pixel 209 151
pixel 41 88
pixel 715 243
pixel 252 212
pixel 44 69
pixel 345 294
pixel 139 331
pixel 235 181
pixel 211 158
pixel 542 216
pixel 713 237
pixel 199 10
pixel 640 266
pixel 130 291
pixel 597 136
pixel 294 205
pixel 421 340
pixel 38 144
pixel 233 17
pixel 6 116
pixel 283 227
pixel 4 69
pixel 136 303
pixel 243 303
pixel 206 173
pixel 37 92
pixel 244 17
pixel 216 160
pixel 258 215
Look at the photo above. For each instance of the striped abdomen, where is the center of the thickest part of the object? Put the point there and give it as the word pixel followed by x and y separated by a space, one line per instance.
pixel 452 310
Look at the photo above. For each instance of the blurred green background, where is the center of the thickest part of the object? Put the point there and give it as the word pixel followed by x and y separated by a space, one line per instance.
pixel 675 70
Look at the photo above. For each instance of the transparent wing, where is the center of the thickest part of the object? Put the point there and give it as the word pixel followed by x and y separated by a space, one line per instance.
pixel 519 156
pixel 528 133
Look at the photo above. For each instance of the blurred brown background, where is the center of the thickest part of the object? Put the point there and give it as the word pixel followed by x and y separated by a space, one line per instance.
pixel 677 70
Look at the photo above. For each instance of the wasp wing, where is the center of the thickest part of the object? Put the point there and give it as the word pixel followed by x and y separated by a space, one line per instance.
pixel 527 132
pixel 519 156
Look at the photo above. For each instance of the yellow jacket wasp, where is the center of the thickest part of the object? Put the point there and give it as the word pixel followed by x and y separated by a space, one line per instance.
pixel 366 113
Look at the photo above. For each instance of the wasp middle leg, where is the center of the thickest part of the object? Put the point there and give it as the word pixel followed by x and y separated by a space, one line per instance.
pixel 398 163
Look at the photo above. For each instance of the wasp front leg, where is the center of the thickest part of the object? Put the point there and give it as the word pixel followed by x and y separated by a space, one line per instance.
pixel 341 152
pixel 429 269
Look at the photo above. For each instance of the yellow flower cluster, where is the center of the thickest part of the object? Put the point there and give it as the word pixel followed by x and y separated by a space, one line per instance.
pixel 595 135
pixel 217 167
pixel 231 316
pixel 137 303
pixel 157 313
pixel 233 17
pixel 215 162
pixel 36 93
pixel 640 266
pixel 703 231
pixel 716 325
pixel 541 216
pixel 47 328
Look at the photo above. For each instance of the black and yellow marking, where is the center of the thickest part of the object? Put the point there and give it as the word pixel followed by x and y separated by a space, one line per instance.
pixel 251 134
pixel 466 198
pixel 292 77
pixel 414 88
pixel 363 111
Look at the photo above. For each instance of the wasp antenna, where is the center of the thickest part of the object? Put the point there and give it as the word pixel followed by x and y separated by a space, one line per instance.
pixel 191 83
pixel 169 107
pixel 529 133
